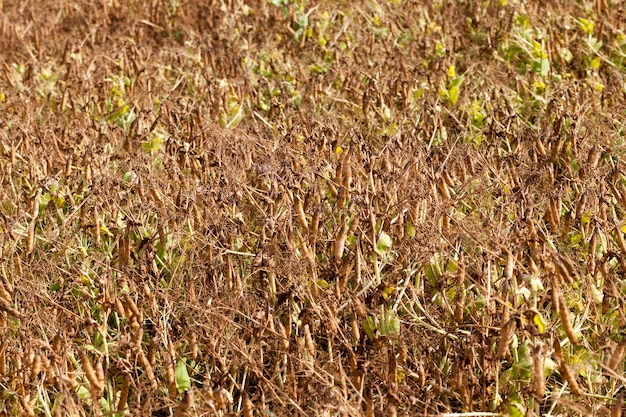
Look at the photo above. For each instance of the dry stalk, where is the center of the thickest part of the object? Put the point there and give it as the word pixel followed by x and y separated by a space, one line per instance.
pixel 169 370
pixel 3 364
pixel 34 214
pixel 564 313
pixel 617 408
pixel 561 271
pixel 556 295
pixel 123 253
pixel 459 299
pixel 617 357
pixel 620 239
pixel 301 216
pixel 247 406
pixel 97 386
pixel 96 226
pixel 124 390
pixel 506 334
pixel 538 364
pixel 185 404
pixel 5 306
pixel 565 371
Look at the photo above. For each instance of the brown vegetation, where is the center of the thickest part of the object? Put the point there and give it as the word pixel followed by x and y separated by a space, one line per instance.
pixel 295 207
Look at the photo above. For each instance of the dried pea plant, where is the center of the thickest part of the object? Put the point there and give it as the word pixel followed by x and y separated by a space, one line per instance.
pixel 297 207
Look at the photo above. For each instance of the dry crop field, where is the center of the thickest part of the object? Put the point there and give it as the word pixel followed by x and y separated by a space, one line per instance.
pixel 292 207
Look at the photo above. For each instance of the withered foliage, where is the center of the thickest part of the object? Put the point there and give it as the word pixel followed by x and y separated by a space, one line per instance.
pixel 288 207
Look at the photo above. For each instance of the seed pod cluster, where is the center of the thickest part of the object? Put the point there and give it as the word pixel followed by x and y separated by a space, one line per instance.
pixel 565 371
pixel 506 334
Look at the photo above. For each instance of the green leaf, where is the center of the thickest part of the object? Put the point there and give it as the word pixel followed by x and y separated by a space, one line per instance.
pixel 549 366
pixel 44 199
pixel 451 293
pixel 393 325
pixel 302 22
pixel 545 67
pixel 540 322
pixel 456 82
pixel 369 325
pixel 183 382
pixel 280 2
pixel 454 95
pixel 410 230
pixel 522 368
pixel 152 145
pixel 390 323
pixel 388 292
pixel 586 25
pixel 516 409
pixel 104 405
pixel 585 218
pixel 432 270
pixel 534 281
pixel 383 244
pixel 594 44
pixel 322 283
pixel 440 50
pixel 83 393
pixel 452 266
pixel 432 274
